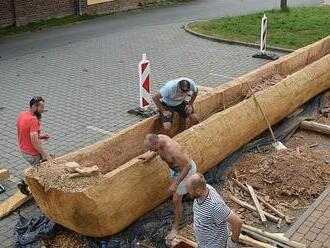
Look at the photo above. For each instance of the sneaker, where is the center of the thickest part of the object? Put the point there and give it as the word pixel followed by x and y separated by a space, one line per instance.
pixel 22 186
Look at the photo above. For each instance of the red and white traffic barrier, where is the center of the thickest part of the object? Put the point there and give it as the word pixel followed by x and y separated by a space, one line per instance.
pixel 145 82
pixel 263 37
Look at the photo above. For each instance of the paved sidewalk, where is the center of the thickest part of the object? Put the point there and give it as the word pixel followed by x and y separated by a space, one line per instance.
pixel 313 227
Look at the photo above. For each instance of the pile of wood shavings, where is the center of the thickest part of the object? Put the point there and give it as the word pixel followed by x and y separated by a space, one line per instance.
pixel 274 79
pixel 64 239
pixel 52 174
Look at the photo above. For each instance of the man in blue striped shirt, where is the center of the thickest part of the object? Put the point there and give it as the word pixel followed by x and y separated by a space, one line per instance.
pixel 212 215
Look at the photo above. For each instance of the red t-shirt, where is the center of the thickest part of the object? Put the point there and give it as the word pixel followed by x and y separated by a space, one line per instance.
pixel 26 124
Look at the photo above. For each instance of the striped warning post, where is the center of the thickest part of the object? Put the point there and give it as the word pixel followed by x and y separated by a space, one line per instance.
pixel 144 72
pixel 262 54
pixel 263 35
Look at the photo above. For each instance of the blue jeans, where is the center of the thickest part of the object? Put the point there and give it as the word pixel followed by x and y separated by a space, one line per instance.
pixel 32 160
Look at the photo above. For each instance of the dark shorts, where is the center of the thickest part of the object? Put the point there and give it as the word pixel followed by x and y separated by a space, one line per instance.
pixel 180 109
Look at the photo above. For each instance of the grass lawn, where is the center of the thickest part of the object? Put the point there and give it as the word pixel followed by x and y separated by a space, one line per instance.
pixel 293 28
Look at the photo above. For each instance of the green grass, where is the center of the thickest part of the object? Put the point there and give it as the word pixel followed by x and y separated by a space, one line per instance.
pixel 292 28
pixel 46 24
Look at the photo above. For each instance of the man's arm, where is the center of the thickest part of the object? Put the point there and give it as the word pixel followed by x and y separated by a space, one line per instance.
pixel 147 156
pixel 156 97
pixel 35 141
pixel 193 97
pixel 181 158
pixel 236 225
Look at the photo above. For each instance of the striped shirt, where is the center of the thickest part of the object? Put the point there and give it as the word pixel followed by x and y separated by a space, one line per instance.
pixel 210 225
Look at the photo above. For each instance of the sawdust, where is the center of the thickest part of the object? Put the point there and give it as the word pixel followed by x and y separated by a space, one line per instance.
pixel 269 82
pixel 52 174
pixel 288 180
pixel 64 239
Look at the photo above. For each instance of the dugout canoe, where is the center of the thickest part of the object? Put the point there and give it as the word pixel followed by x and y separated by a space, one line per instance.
pixel 128 189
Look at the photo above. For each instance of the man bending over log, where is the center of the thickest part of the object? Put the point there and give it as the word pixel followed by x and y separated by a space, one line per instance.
pixel 181 167
pixel 172 97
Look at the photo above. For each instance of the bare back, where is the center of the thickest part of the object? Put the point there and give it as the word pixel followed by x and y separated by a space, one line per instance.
pixel 171 152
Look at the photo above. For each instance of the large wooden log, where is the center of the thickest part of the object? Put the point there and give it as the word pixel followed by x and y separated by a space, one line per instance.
pixel 134 188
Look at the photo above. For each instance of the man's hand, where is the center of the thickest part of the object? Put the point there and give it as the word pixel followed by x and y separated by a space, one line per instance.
pixel 189 109
pixel 44 137
pixel 46 157
pixel 174 186
pixel 145 157
pixel 167 113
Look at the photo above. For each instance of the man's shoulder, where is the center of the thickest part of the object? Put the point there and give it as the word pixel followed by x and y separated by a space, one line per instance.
pixel 171 84
pixel 26 115
pixel 215 197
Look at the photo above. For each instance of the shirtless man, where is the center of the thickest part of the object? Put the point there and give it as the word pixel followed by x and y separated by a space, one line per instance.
pixel 181 167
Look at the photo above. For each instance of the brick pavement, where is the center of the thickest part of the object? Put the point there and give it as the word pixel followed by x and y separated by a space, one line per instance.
pixel 313 227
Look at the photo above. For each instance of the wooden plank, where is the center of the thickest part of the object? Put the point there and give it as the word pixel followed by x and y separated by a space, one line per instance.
pixel 278 212
pixel 4 174
pixel 274 236
pixel 316 127
pixel 243 239
pixel 179 238
pixel 248 206
pixel 254 243
pixel 256 203
pixel 12 203
pixel 265 239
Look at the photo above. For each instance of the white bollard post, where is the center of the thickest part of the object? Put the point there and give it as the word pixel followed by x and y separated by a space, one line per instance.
pixel 263 39
pixel 145 82
pixel 263 36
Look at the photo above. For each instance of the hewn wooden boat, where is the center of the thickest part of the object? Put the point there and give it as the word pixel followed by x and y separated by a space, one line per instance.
pixel 127 189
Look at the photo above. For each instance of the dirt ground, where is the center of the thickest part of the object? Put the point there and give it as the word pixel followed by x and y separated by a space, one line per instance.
pixel 289 180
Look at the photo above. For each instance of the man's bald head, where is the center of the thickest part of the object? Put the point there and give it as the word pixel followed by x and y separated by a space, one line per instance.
pixel 196 185
pixel 152 141
pixel 197 181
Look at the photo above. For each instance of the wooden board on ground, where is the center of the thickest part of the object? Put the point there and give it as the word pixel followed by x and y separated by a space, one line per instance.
pixel 274 236
pixel 316 127
pixel 180 241
pixel 256 203
pixel 4 174
pixel 248 206
pixel 12 203
pixel 279 213
pixel 254 243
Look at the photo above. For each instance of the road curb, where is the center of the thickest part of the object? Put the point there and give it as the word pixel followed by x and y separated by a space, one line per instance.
pixel 232 42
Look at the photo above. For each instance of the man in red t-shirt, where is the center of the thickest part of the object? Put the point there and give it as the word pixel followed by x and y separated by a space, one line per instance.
pixel 28 133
